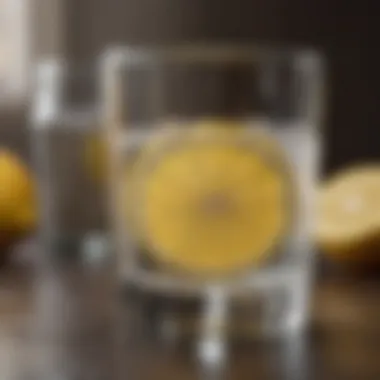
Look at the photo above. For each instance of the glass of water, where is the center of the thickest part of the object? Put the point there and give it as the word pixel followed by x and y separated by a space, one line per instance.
pixel 64 125
pixel 213 156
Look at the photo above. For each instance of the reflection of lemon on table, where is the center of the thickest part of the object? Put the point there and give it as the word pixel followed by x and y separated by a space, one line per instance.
pixel 18 207
pixel 348 224
pixel 211 200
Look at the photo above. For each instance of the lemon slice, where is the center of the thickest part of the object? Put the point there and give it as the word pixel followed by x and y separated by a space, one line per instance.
pixel 212 202
pixel 348 214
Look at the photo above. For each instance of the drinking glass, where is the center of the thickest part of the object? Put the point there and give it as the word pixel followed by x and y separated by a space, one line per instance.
pixel 64 124
pixel 214 148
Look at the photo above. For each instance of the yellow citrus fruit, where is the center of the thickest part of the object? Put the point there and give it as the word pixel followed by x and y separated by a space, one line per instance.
pixel 348 215
pixel 212 200
pixel 18 206
pixel 96 162
pixel 95 156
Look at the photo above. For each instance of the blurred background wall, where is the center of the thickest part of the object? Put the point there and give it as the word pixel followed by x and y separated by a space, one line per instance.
pixel 342 30
pixel 80 29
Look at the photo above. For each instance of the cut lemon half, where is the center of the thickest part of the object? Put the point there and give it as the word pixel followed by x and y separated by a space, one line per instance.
pixel 348 215
pixel 212 202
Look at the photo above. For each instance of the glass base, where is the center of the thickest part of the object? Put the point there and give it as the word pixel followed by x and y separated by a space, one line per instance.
pixel 211 320
pixel 91 248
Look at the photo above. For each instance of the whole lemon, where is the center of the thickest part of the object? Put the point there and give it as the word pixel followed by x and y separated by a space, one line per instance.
pixel 18 206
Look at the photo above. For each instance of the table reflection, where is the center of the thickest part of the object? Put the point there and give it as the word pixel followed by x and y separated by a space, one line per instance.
pixel 70 320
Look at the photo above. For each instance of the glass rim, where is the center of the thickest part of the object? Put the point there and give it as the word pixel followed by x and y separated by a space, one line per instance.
pixel 212 53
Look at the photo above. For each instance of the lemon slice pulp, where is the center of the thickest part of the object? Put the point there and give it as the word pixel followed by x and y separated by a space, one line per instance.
pixel 211 202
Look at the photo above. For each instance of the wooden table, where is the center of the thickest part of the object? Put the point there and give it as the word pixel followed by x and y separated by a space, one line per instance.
pixel 66 321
